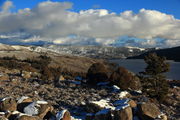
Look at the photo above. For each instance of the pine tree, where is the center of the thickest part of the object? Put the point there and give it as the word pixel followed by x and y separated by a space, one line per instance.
pixel 153 78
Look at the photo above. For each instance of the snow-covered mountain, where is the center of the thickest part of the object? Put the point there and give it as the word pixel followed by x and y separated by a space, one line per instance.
pixel 104 52
pixel 107 52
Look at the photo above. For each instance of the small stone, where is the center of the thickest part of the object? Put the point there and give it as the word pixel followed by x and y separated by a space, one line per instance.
pixel 123 114
pixel 8 104
pixel 132 103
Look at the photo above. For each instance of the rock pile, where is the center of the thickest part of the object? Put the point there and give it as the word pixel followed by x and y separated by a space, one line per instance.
pixel 27 109
pixel 123 109
pixel 83 101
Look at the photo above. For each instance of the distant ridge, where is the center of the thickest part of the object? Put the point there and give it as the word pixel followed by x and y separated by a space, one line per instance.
pixel 169 53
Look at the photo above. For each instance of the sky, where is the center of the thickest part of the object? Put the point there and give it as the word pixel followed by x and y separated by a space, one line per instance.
pixel 143 23
pixel 165 6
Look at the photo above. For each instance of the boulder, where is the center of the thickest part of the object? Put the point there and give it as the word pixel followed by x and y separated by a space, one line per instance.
pixel 104 114
pixel 148 111
pixel 63 115
pixel 125 79
pixel 98 72
pixel 96 106
pixel 123 113
pixel 8 104
pixel 38 108
pixel 23 102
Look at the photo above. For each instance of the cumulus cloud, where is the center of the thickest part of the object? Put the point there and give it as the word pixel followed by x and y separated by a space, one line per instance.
pixel 56 22
pixel 6 6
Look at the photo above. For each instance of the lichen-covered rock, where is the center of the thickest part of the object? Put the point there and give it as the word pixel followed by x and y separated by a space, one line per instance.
pixel 125 79
pixel 148 111
pixel 8 104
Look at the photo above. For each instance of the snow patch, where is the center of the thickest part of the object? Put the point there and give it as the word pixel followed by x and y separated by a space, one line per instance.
pixel 123 94
pixel 41 102
pixel 15 112
pixel 2 113
pixel 103 104
pixel 22 99
pixel 115 88
pixel 4 99
pixel 139 91
pixel 32 109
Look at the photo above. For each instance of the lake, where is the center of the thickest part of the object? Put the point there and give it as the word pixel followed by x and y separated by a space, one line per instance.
pixel 138 65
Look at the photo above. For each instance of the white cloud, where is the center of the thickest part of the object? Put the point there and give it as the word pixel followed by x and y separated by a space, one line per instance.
pixel 6 6
pixel 55 21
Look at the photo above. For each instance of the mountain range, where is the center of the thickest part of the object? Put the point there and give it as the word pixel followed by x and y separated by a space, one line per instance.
pixel 169 53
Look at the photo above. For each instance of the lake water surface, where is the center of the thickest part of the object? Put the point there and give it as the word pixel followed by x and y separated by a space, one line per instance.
pixel 138 65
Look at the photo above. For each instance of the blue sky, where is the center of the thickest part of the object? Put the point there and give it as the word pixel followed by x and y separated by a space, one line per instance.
pixel 164 6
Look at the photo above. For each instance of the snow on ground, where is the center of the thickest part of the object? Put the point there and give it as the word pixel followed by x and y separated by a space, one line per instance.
pixel 22 99
pixel 31 109
pixel 115 88
pixel 123 94
pixel 41 102
pixel 103 104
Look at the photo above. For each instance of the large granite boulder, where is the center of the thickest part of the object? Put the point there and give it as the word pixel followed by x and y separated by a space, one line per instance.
pixel 125 79
pixel 148 111
pixel 98 72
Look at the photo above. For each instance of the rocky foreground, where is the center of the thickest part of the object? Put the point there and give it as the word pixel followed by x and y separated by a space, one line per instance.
pixel 24 97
